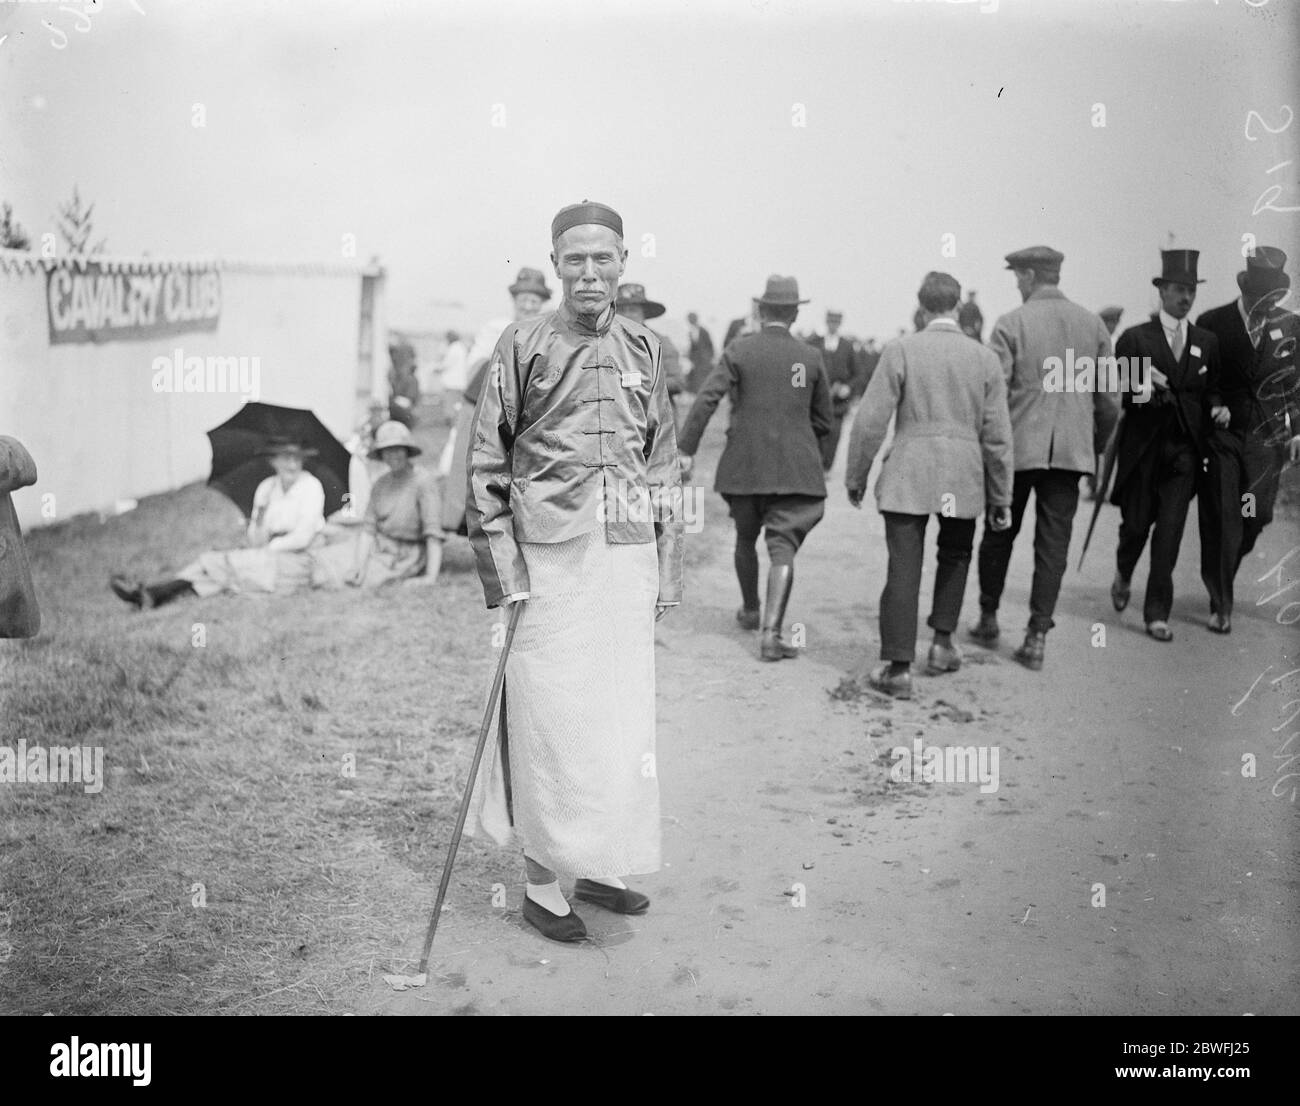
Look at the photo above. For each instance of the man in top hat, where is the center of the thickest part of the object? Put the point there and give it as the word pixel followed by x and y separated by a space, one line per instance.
pixel 840 364
pixel 1260 431
pixel 575 511
pixel 529 293
pixel 1163 437
pixel 1057 435
pixel 970 318
pixel 770 472
pixel 1111 317
pixel 632 304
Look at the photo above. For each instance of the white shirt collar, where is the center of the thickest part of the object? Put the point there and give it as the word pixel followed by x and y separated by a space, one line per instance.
pixel 942 320
pixel 1171 324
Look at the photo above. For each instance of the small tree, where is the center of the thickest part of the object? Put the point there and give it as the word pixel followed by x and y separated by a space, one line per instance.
pixel 12 235
pixel 76 226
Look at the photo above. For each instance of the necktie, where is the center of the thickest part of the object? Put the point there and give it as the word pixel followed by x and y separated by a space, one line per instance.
pixel 1177 344
pixel 1258 320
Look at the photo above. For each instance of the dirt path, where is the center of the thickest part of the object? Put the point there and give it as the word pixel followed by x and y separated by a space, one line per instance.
pixel 1119 764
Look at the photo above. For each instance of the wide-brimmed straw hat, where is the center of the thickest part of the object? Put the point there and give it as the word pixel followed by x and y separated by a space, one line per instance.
pixel 393 434
pixel 275 447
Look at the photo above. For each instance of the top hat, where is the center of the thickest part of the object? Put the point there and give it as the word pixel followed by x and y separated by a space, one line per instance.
pixel 530 280
pixel 277 445
pixel 781 291
pixel 633 295
pixel 1264 271
pixel 393 434
pixel 1177 267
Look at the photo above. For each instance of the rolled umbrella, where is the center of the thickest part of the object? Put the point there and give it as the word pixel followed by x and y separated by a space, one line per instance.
pixel 1103 485
pixel 238 466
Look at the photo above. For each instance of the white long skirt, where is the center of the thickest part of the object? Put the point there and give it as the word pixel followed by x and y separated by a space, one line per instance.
pixel 569 773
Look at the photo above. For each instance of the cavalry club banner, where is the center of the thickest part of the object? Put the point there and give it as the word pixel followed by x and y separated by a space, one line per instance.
pixel 101 303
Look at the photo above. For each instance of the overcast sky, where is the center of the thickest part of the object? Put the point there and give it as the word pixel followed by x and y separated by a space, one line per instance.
pixel 919 119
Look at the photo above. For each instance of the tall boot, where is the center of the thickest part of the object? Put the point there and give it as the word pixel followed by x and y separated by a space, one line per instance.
pixel 780 579
pixel 746 560
pixel 155 595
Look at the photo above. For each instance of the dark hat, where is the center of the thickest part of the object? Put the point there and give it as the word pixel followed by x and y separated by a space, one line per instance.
pixel 1265 271
pixel 577 215
pixel 633 295
pixel 781 291
pixel 1111 312
pixel 834 313
pixel 17 469
pixel 1177 267
pixel 530 280
pixel 276 446
pixel 1041 259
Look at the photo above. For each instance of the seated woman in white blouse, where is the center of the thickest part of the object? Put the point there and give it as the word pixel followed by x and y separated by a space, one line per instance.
pixel 288 516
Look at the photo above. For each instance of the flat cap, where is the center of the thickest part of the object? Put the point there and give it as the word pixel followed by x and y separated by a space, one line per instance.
pixel 1036 257
pixel 577 215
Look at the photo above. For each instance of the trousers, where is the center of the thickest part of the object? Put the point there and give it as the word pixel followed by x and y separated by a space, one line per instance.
pixel 1056 498
pixel 905 539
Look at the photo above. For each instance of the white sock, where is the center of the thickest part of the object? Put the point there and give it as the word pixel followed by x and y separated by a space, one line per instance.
pixel 609 881
pixel 548 896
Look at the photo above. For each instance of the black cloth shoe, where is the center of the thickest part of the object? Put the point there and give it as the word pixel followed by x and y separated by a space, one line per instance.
pixel 749 620
pixel 1119 592
pixel 986 630
pixel 127 590
pixel 1030 654
pixel 621 900
pixel 568 927
pixel 1219 624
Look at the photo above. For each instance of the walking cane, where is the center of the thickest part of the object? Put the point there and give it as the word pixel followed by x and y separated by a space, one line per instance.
pixel 401 983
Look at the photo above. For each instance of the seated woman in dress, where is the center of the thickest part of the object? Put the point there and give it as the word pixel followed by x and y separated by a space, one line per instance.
pixel 288 516
pixel 401 536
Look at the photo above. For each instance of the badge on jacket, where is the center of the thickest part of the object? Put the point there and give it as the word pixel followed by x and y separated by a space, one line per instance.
pixel 631 378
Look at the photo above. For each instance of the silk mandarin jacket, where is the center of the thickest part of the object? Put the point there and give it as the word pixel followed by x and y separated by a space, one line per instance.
pixel 573 432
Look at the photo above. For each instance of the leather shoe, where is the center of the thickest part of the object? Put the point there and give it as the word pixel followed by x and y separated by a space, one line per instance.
pixel 129 591
pixel 749 620
pixel 1219 624
pixel 568 927
pixel 1119 592
pixel 1030 654
pixel 1159 630
pixel 942 658
pixel 897 686
pixel 986 631
pixel 621 900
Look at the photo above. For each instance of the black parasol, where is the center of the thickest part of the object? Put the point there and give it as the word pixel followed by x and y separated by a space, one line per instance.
pixel 237 467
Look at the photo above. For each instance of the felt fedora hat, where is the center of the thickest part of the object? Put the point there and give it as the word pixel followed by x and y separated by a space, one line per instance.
pixel 633 295
pixel 1178 267
pixel 530 280
pixel 391 435
pixel 781 291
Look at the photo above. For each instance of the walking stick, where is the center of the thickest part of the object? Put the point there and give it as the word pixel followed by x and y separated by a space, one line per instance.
pixel 1103 485
pixel 515 608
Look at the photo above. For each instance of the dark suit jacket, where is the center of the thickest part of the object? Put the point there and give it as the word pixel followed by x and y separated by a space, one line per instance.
pixel 841 368
pixel 1183 407
pixel 779 411
pixel 1260 387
